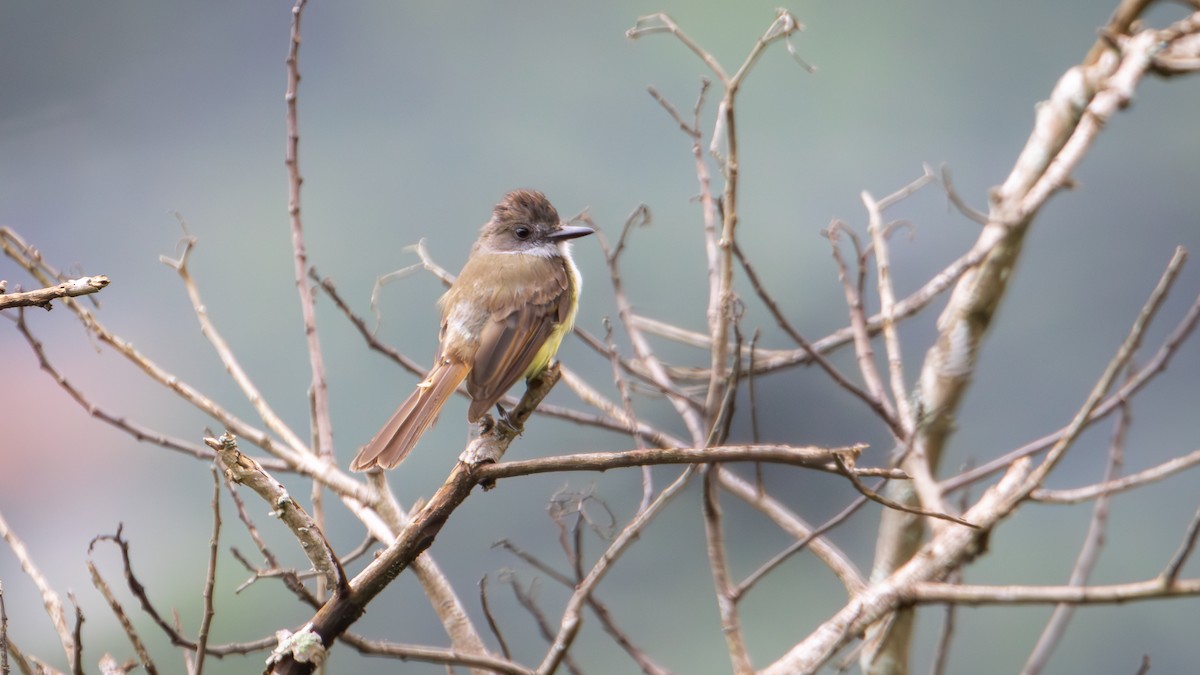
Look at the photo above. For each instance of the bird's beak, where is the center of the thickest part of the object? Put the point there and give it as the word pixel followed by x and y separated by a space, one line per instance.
pixel 565 232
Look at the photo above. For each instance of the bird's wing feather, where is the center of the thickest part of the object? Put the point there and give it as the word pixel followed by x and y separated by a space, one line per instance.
pixel 512 337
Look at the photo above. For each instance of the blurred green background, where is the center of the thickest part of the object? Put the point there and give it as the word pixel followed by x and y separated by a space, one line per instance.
pixel 415 118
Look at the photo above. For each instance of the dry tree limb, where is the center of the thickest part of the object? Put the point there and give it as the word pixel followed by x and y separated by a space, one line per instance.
pixel 1066 125
pixel 930 592
pixel 42 297
pixel 822 459
pixel 952 547
pixel 1134 480
pixel 485 663
pixel 296 653
pixel 319 389
pixel 948 550
pixel 723 585
pixel 50 598
pixel 854 290
pixel 1171 573
pixel 290 578
pixel 210 579
pixel 131 633
pixel 77 635
pixel 245 471
pixel 3 633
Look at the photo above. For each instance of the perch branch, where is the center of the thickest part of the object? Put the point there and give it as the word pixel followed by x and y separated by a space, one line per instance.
pixel 42 297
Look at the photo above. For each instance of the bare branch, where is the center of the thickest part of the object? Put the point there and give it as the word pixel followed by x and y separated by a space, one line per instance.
pixel 936 592
pixel 661 23
pixel 1112 370
pixel 209 579
pixel 1155 366
pixel 449 657
pixel 1171 573
pixel 1084 99
pixel 731 626
pixel 295 653
pixel 50 599
pixel 130 632
pixel 873 403
pixel 823 459
pixel 319 389
pixel 245 471
pixel 572 617
pixel 1132 481
pixel 824 550
pixel 273 422
pixel 491 620
pixel 3 633
pixel 876 497
pixel 138 431
pixel 1089 553
pixel 42 297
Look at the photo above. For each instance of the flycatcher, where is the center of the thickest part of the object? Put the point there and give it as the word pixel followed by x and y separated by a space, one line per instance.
pixel 502 319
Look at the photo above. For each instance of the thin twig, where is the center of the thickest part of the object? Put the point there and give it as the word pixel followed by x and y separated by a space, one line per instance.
pixel 824 550
pixel 134 429
pixel 572 617
pixel 1132 481
pixel 935 592
pixel 210 578
pixel 864 352
pixel 491 620
pixel 3 634
pixel 77 636
pixel 484 663
pixel 723 586
pixel 892 504
pixel 648 666
pixel 318 389
pixel 122 617
pixel 1115 366
pixel 773 307
pixel 1089 553
pixel 1171 573
pixel 271 419
pixel 1157 365
pixel 799 545
pixel 525 597
pixel 641 347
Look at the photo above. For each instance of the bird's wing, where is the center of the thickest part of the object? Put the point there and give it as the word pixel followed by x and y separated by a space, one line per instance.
pixel 512 338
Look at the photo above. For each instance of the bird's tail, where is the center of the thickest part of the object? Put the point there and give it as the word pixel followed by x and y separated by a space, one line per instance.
pixel 396 439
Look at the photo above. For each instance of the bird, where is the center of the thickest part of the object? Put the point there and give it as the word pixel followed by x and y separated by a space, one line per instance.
pixel 502 319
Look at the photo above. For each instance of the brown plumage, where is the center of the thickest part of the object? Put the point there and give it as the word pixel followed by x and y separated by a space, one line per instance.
pixel 502 319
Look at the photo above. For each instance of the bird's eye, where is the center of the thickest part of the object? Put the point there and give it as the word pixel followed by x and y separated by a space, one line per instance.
pixel 522 232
